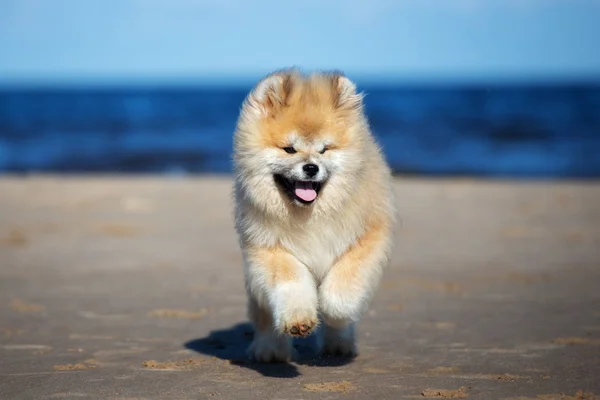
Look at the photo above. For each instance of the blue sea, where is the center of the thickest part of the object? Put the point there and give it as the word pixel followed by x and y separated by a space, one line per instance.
pixel 541 131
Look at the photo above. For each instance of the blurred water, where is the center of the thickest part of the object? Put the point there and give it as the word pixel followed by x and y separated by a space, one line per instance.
pixel 538 131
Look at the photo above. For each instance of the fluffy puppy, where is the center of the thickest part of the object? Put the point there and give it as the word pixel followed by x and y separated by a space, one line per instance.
pixel 313 210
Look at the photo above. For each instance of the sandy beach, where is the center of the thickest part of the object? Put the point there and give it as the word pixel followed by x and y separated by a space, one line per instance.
pixel 132 287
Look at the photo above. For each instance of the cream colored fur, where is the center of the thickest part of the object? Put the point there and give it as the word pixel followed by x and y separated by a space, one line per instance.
pixel 324 259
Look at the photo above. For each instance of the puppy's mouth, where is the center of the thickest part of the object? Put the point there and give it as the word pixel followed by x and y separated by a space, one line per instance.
pixel 305 192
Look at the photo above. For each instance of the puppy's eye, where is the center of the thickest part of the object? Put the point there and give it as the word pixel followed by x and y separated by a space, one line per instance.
pixel 289 150
pixel 324 150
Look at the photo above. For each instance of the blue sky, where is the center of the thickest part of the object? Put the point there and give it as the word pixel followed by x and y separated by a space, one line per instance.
pixel 95 41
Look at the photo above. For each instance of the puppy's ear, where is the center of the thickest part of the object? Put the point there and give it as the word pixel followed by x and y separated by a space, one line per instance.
pixel 346 96
pixel 270 94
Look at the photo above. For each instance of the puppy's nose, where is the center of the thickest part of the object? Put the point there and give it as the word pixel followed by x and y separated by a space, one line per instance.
pixel 310 169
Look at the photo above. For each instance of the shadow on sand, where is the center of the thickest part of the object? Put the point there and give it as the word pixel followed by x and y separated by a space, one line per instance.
pixel 231 344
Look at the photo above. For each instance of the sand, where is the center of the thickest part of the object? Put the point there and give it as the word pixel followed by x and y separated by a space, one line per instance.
pixel 132 287
pixel 459 393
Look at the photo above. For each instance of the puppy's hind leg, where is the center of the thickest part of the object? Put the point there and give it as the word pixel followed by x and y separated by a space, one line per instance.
pixel 339 340
pixel 268 345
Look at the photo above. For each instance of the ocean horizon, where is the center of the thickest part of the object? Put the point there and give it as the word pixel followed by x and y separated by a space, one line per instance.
pixel 499 130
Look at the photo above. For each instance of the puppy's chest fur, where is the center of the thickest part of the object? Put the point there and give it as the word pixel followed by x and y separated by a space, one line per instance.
pixel 320 245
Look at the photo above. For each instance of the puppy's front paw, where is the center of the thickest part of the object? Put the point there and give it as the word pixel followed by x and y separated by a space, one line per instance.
pixel 300 328
pixel 270 348
pixel 295 308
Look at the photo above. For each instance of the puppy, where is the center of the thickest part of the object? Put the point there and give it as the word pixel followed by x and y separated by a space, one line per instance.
pixel 313 211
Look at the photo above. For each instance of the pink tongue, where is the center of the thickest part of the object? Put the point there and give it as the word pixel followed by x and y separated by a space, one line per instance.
pixel 305 191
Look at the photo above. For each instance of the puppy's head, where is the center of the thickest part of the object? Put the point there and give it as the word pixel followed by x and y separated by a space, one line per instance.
pixel 299 139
